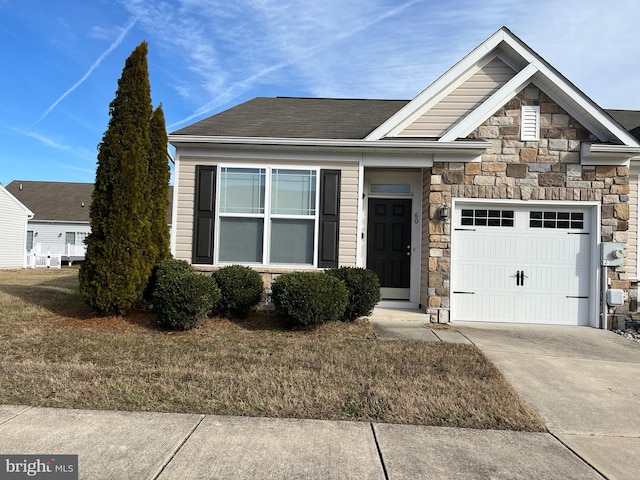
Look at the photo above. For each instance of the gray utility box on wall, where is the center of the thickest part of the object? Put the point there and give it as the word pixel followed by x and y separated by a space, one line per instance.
pixel 612 254
pixel 615 297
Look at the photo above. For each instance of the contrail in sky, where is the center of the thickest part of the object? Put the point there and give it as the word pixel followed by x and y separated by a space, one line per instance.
pixel 247 83
pixel 111 48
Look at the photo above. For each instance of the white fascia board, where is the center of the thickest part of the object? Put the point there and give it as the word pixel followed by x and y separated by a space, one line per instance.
pixel 597 154
pixel 438 89
pixel 364 146
pixel 489 106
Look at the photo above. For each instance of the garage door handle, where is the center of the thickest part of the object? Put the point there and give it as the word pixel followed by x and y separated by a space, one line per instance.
pixel 518 278
pixel 522 277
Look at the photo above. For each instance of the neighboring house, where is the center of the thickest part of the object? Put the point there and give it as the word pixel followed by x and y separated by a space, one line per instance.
pixel 485 198
pixel 61 216
pixel 13 230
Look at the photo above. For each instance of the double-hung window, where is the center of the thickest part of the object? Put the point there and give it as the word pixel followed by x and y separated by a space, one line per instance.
pixel 267 216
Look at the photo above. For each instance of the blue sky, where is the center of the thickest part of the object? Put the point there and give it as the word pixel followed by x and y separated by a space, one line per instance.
pixel 60 60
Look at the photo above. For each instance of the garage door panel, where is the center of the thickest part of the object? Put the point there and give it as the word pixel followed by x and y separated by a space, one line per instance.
pixel 555 262
pixel 489 276
pixel 498 247
pixel 479 307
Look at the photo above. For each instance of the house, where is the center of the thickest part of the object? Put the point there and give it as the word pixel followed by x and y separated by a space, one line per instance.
pixel 488 197
pixel 13 230
pixel 61 217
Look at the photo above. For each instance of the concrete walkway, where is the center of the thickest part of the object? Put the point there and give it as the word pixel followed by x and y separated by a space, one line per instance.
pixel 134 445
pixel 398 324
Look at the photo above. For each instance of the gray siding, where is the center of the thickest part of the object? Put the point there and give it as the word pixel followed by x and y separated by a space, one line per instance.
pixel 54 233
pixel 459 103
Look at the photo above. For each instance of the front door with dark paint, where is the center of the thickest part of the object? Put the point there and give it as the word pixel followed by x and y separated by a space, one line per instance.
pixel 389 241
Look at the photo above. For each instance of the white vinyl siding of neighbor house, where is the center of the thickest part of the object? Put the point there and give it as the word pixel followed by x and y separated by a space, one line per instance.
pixel 348 204
pixel 55 233
pixel 459 103
pixel 13 231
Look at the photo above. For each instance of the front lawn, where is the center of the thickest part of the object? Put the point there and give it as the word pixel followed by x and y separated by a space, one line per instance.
pixel 55 352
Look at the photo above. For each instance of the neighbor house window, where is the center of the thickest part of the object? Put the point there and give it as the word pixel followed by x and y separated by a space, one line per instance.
pixel 267 215
pixel 75 238
pixel 29 239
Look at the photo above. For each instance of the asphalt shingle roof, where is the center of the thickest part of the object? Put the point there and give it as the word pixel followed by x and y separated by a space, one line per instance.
pixel 322 118
pixel 58 201
pixel 285 117
pixel 62 201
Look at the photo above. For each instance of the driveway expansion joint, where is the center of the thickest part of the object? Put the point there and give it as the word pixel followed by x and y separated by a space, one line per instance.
pixel 577 455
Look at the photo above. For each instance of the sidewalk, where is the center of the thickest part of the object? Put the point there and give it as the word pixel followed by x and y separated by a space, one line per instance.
pixel 137 445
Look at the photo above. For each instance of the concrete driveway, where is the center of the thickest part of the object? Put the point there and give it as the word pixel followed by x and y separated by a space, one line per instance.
pixel 584 384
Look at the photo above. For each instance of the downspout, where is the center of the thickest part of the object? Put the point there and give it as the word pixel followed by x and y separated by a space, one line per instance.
pixel 174 201
pixel 359 214
pixel 603 297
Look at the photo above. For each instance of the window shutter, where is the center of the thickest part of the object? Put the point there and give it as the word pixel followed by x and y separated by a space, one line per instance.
pixel 204 215
pixel 530 124
pixel 329 218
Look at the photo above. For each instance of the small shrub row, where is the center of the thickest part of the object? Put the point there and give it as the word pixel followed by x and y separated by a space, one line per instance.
pixel 181 297
pixel 309 298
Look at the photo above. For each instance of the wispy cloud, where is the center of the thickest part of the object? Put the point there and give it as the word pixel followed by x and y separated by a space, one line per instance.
pixel 41 138
pixel 129 25
pixel 220 51
pixel 295 55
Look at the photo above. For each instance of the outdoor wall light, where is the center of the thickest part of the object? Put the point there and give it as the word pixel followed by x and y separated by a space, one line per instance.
pixel 443 212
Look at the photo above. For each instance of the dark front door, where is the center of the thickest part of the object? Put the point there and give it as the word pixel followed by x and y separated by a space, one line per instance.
pixel 389 241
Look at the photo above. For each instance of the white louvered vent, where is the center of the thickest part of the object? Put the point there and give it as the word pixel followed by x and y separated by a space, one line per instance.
pixel 530 124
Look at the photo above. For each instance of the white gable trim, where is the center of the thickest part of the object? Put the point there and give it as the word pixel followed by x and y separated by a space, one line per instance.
pixel 504 44
pixel 491 105
pixel 440 88
pixel 434 100
pixel 27 212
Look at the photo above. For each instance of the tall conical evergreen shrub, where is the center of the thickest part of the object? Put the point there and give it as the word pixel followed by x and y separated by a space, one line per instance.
pixel 120 252
pixel 159 174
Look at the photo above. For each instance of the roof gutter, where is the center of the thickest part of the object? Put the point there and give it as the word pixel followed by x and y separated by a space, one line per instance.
pixel 603 154
pixel 397 146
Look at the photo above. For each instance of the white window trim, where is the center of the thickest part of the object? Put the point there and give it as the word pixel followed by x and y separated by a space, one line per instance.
pixel 267 216
pixel 526 123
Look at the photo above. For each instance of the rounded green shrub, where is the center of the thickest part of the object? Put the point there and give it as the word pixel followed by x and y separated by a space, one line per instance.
pixel 309 297
pixel 364 290
pixel 182 297
pixel 166 267
pixel 241 289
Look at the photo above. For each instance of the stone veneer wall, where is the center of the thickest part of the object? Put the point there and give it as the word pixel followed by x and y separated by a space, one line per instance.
pixel 547 169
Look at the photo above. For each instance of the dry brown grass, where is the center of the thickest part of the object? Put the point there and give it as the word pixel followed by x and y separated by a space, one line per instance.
pixel 55 352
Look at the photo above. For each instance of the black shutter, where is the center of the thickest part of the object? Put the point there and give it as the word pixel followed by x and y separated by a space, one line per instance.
pixel 204 215
pixel 329 218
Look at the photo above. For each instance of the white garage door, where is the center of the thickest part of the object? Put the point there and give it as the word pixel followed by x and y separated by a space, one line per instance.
pixel 521 264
